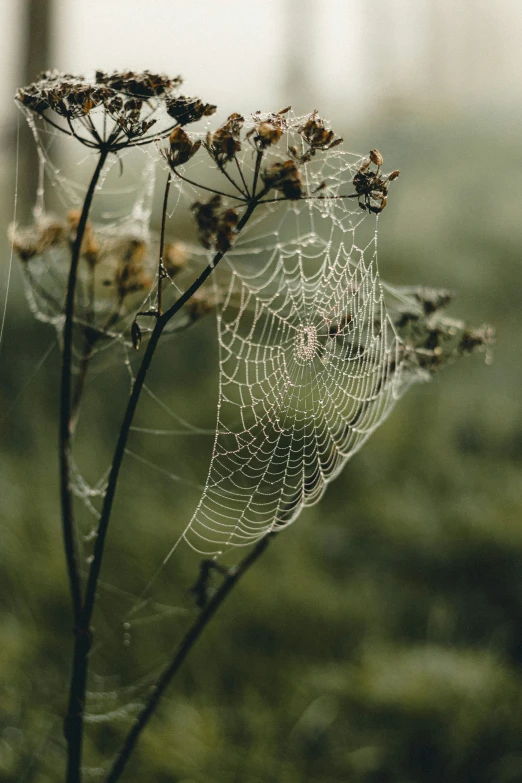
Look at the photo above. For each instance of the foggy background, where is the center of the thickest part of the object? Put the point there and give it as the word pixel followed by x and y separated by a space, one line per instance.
pixel 380 641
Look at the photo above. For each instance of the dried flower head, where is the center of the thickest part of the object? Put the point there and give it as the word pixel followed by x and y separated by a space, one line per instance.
pixel 186 110
pixel 181 149
pixel 142 85
pixel 264 134
pixel 317 136
pixel 370 185
pixel 226 141
pixel 285 178
pixel 46 234
pixel 216 223
pixel 478 339
pixel 130 104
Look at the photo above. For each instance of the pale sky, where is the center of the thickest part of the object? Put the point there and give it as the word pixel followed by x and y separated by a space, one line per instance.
pixel 340 56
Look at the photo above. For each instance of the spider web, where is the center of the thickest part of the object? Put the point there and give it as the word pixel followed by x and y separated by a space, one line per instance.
pixel 309 366
pixel 309 360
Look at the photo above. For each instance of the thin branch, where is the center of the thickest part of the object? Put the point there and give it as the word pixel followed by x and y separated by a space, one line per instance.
pixel 55 124
pixel 164 134
pixel 81 139
pixel 223 170
pixel 243 180
pixel 206 187
pixel 161 266
pixel 259 158
pixel 207 613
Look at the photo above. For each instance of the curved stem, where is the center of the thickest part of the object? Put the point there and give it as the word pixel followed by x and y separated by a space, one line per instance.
pixel 73 728
pixel 65 401
pixel 187 643
pixel 205 187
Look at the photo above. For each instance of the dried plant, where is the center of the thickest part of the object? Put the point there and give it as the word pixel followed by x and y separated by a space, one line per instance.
pixel 127 109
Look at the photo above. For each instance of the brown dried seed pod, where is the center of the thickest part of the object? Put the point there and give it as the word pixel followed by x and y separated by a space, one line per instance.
pixel 182 148
pixel 285 178
pixel 226 142
pixel 268 133
pixel 376 157
pixel 186 110
pixel 136 335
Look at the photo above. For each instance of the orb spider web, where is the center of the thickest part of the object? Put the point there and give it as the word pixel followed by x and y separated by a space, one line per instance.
pixel 309 362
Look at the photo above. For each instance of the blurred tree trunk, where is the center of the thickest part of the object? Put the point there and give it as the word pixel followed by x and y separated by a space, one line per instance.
pixel 36 48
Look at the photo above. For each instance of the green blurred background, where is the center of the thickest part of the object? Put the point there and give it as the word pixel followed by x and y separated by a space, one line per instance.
pixel 380 638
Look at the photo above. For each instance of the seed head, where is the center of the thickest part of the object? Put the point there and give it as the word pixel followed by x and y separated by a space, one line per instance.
pixel 186 110
pixel 181 148
pixel 216 223
pixel 285 178
pixel 226 141
pixel 376 157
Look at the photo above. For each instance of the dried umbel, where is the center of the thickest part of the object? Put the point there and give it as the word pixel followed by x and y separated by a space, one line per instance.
pixel 430 339
pixel 216 223
pixel 287 157
pixel 129 104
pixel 181 149
pixel 115 271
pixel 370 185
pixel 284 177
pixel 225 143
pixel 187 110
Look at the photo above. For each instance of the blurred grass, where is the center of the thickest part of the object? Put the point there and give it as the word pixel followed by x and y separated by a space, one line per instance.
pixel 380 638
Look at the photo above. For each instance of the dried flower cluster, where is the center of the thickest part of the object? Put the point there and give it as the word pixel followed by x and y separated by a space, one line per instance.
pixel 181 149
pixel 285 178
pixel 430 338
pixel 216 223
pixel 129 103
pixel 225 143
pixel 370 185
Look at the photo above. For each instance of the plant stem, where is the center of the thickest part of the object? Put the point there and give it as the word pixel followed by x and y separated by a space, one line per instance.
pixel 161 267
pixel 73 728
pixel 80 384
pixel 229 582
pixel 65 401
pixel 259 158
